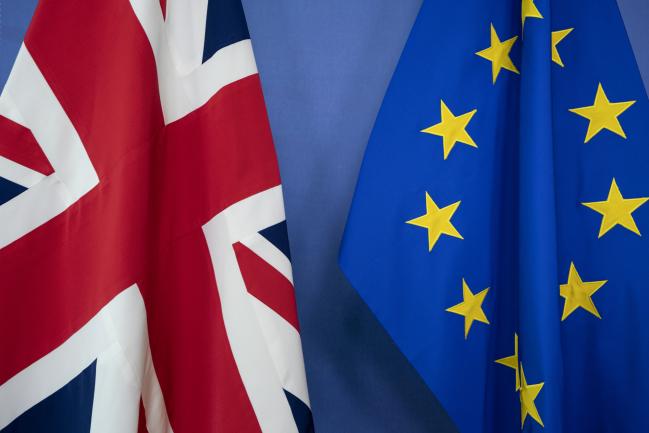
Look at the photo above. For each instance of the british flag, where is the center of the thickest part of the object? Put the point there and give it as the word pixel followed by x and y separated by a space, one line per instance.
pixel 146 277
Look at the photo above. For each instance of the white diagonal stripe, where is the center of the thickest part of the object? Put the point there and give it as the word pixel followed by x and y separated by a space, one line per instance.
pixel 285 348
pixel 180 93
pixel 270 253
pixel 18 173
pixel 117 339
pixel 28 99
pixel 157 420
pixel 185 23
pixel 43 115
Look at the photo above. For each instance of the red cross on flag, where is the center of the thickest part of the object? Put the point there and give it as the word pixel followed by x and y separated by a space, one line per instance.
pixel 146 277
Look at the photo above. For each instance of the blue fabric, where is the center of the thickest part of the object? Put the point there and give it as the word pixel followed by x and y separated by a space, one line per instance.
pixel 324 68
pixel 226 24
pixel 9 190
pixel 301 413
pixel 68 410
pixel 520 216
pixel 278 236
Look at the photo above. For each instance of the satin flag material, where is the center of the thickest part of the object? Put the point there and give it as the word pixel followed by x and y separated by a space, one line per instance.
pixel 498 229
pixel 146 275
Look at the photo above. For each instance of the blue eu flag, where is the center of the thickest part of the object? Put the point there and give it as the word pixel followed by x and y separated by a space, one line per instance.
pixel 499 226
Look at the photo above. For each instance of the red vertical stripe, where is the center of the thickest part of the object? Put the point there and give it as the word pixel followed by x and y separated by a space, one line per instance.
pixel 98 62
pixel 191 352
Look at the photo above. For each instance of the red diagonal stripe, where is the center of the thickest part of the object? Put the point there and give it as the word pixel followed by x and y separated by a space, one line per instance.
pixel 103 243
pixel 66 270
pixel 267 284
pixel 18 144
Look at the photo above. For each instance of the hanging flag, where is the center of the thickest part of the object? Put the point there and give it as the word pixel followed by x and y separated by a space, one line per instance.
pixel 145 273
pixel 498 229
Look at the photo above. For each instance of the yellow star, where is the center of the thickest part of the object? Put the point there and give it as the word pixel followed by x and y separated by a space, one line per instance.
pixel 529 10
pixel 557 37
pixel 528 394
pixel 512 362
pixel 617 210
pixel 437 221
pixel 452 128
pixel 470 307
pixel 577 293
pixel 498 54
pixel 603 114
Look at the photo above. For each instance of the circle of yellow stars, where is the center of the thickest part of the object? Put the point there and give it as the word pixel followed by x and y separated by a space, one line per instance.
pixel 615 210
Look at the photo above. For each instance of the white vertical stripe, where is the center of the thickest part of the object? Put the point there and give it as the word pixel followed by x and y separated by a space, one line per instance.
pixel 115 408
pixel 180 93
pixel 118 379
pixel 185 24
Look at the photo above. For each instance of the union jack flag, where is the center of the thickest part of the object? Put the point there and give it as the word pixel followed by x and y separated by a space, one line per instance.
pixel 146 276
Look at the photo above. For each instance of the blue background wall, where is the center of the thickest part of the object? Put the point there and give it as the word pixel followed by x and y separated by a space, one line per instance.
pixel 325 65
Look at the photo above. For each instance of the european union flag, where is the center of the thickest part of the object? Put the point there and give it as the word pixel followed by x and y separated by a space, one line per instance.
pixel 496 229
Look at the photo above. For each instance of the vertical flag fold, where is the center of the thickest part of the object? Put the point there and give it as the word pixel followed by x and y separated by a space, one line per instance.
pixel 496 228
